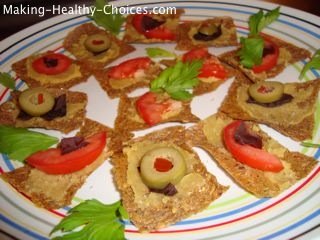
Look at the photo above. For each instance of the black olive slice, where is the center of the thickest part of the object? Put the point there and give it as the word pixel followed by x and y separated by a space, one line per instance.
pixel 149 23
pixel 200 36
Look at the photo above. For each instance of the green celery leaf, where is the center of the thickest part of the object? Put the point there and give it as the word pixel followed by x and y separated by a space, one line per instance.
pixel 103 17
pixel 259 20
pixel 251 51
pixel 176 80
pixel 7 81
pixel 313 63
pixel 310 144
pixel 19 143
pixel 159 52
pixel 96 220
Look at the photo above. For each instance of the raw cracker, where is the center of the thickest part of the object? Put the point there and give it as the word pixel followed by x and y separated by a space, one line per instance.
pixel 170 209
pixel 259 183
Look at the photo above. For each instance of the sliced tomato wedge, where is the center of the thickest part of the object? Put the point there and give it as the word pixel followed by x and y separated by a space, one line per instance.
pixel 52 64
pixel 149 109
pixel 246 154
pixel 53 162
pixel 195 54
pixel 129 67
pixel 159 32
pixel 270 58
pixel 211 67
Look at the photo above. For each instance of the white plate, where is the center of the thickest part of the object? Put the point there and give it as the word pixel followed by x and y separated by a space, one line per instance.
pixel 237 214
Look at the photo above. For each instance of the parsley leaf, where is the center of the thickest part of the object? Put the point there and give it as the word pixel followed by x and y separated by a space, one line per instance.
pixel 251 51
pixel 259 20
pixel 7 81
pixel 19 143
pixel 313 63
pixel 98 221
pixel 178 79
pixel 104 17
pixel 159 52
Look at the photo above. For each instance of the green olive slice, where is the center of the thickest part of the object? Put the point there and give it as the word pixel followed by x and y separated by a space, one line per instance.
pixel 160 179
pixel 266 92
pixel 97 43
pixel 36 101
pixel 208 29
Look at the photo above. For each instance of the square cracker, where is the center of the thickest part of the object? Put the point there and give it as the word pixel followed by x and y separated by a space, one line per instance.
pixel 171 21
pixel 294 119
pixel 128 118
pixel 149 210
pixel 116 87
pixel 76 110
pixel 288 54
pixel 228 37
pixel 207 134
pixel 54 191
pixel 74 43
pixel 23 71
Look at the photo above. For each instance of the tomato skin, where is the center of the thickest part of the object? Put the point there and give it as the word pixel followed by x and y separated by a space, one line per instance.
pixel 149 110
pixel 195 54
pixel 62 64
pixel 246 154
pixel 270 60
pixel 51 161
pixel 212 68
pixel 211 65
pixel 128 68
pixel 160 32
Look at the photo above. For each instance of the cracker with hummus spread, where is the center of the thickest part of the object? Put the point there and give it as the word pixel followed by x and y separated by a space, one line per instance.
pixel 108 47
pixel 114 87
pixel 190 188
pixel 161 109
pixel 294 119
pixel 54 191
pixel 67 114
pixel 69 73
pixel 152 28
pixel 288 54
pixel 217 32
pixel 207 134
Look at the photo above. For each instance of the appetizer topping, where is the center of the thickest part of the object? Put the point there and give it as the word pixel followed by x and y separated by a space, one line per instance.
pixel 92 219
pixel 36 101
pixel 97 43
pixel 161 166
pixel 53 161
pixel 19 143
pixel 59 109
pixel 7 81
pixel 178 80
pixel 251 52
pixel 51 64
pixel 253 157
pixel 195 54
pixel 152 109
pixel 313 63
pixel 270 57
pixel 211 66
pixel 266 92
pixel 152 28
pixel 169 190
pixel 243 136
pixel 208 32
pixel 128 68
pixel 71 144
